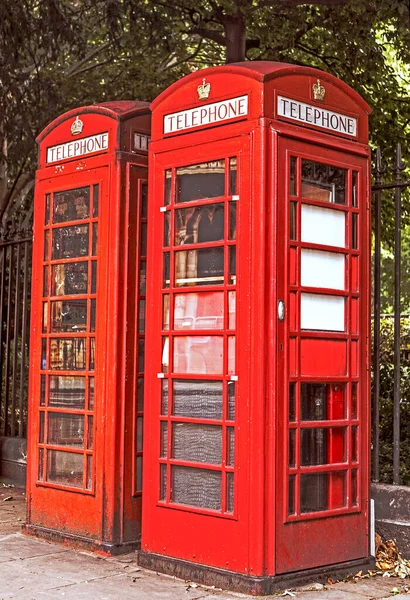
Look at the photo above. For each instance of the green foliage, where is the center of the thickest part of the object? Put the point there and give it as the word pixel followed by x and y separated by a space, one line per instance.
pixel 386 400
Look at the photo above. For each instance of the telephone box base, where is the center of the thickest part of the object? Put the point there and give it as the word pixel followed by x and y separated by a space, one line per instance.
pixel 246 584
pixel 79 542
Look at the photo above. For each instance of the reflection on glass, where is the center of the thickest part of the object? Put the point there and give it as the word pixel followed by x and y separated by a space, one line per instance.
pixel 204 266
pixel 143 277
pixel 291 495
pixel 139 434
pixel 230 492
pixel 199 310
pixel 196 487
pixel 47 244
pixel 140 406
pixel 40 464
pixel 166 272
pixel 47 212
pixel 231 355
pixel 95 200
pixel 165 312
pixel 199 224
pixel 43 364
pixel 167 229
pixel 163 483
pixel 292 187
pixel 65 468
pixel 93 277
pixel 45 281
pixel 93 315
pixel 141 355
pixel 89 484
pixel 71 205
pixel 92 354
pixel 165 355
pixel 197 399
pixel 45 317
pixel 354 230
pixel 69 315
pixel 354 488
pixel 292 401
pixel 232 176
pixel 231 400
pixel 41 429
pixel 167 187
pixel 164 397
pixel 292 215
pixel 292 448
pixel 141 317
pixel 144 200
pixel 95 239
pixel 67 391
pixel 354 189
pixel 232 264
pixel 230 446
pixel 323 182
pixel 139 474
pixel 164 440
pixel 231 310
pixel 68 354
pixel 205 180
pixel 198 355
pixel 69 279
pixel 196 442
pixel 42 390
pixel 90 433
pixel 354 444
pixel 320 401
pixel 91 393
pixel 232 220
pixel 70 242
pixel 143 239
pixel 313 492
pixel 322 446
pixel 65 430
pixel 354 401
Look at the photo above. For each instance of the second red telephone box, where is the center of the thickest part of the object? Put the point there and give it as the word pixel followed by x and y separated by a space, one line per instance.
pixel 87 328
pixel 257 425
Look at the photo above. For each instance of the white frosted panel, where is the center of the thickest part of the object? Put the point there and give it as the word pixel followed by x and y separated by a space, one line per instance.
pixel 323 269
pixel 323 226
pixel 322 313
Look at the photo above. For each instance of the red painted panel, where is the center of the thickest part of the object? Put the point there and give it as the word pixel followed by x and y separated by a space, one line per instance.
pixel 327 358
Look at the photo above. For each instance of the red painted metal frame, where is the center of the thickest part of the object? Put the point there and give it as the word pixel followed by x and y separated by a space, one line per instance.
pixel 254 542
pixel 108 516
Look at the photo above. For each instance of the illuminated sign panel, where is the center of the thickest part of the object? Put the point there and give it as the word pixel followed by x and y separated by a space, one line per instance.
pixel 208 114
pixel 315 115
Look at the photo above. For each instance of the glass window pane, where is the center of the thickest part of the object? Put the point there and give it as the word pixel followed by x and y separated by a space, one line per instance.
pixel 91 393
pixel 231 355
pixel 231 400
pixel 232 220
pixel 354 231
pixel 199 310
pixel 230 446
pixel 95 239
pixel 166 272
pixel 144 200
pixel 93 314
pixel 65 468
pixel 323 182
pixel 141 355
pixel 71 205
pixel 165 355
pixel 196 442
pixel 355 190
pixel 69 279
pixel 292 401
pixel 232 265
pixel 167 187
pixel 143 249
pixel 198 354
pixel 322 446
pixel 292 187
pixel 232 310
pixel 67 392
pixel 47 211
pixel 291 495
pixel 40 464
pixel 70 242
pixel 292 225
pixel 314 492
pixel 143 276
pixel 292 448
pixel 95 200
pixel 199 224
pixel 354 444
pixel 94 277
pixel 162 483
pixel 323 226
pixel 164 397
pixel 92 354
pixel 140 406
pixel 323 269
pixel 321 401
pixel 204 266
pixel 89 485
pixel 230 492
pixel 45 317
pixel 139 434
pixel 232 176
pixel 205 180
pixel 354 488
pixel 43 364
pixel 197 398
pixel 139 474
pixel 165 312
pixel 322 313
pixel 68 354
pixel 167 229
pixel 164 440
pixel 69 315
pixel 90 434
pixel 41 429
pixel 43 383
pixel 354 401
pixel 196 487
pixel 45 281
pixel 47 244
pixel 66 430
pixel 141 317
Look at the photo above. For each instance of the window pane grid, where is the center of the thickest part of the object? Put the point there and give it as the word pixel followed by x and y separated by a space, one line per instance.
pixel 188 318
pixel 65 454
pixel 341 475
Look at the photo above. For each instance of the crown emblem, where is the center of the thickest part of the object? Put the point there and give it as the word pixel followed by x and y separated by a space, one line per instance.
pixel 77 126
pixel 318 91
pixel 204 90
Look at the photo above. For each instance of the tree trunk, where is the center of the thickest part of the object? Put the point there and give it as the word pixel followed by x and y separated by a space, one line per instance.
pixel 235 34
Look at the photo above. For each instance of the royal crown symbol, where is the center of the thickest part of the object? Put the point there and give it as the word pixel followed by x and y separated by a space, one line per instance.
pixel 77 126
pixel 318 91
pixel 204 90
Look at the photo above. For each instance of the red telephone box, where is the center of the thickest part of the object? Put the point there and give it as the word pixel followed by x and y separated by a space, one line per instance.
pixel 257 426
pixel 87 342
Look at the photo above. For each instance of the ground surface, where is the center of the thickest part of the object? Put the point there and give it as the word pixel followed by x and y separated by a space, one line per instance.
pixel 32 569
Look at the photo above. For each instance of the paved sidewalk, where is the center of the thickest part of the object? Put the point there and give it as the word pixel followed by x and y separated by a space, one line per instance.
pixel 31 569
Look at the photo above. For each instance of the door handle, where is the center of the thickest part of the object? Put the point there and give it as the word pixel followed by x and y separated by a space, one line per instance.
pixel 281 310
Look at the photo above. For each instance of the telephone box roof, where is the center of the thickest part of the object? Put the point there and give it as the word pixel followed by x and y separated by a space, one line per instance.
pixel 117 110
pixel 263 71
